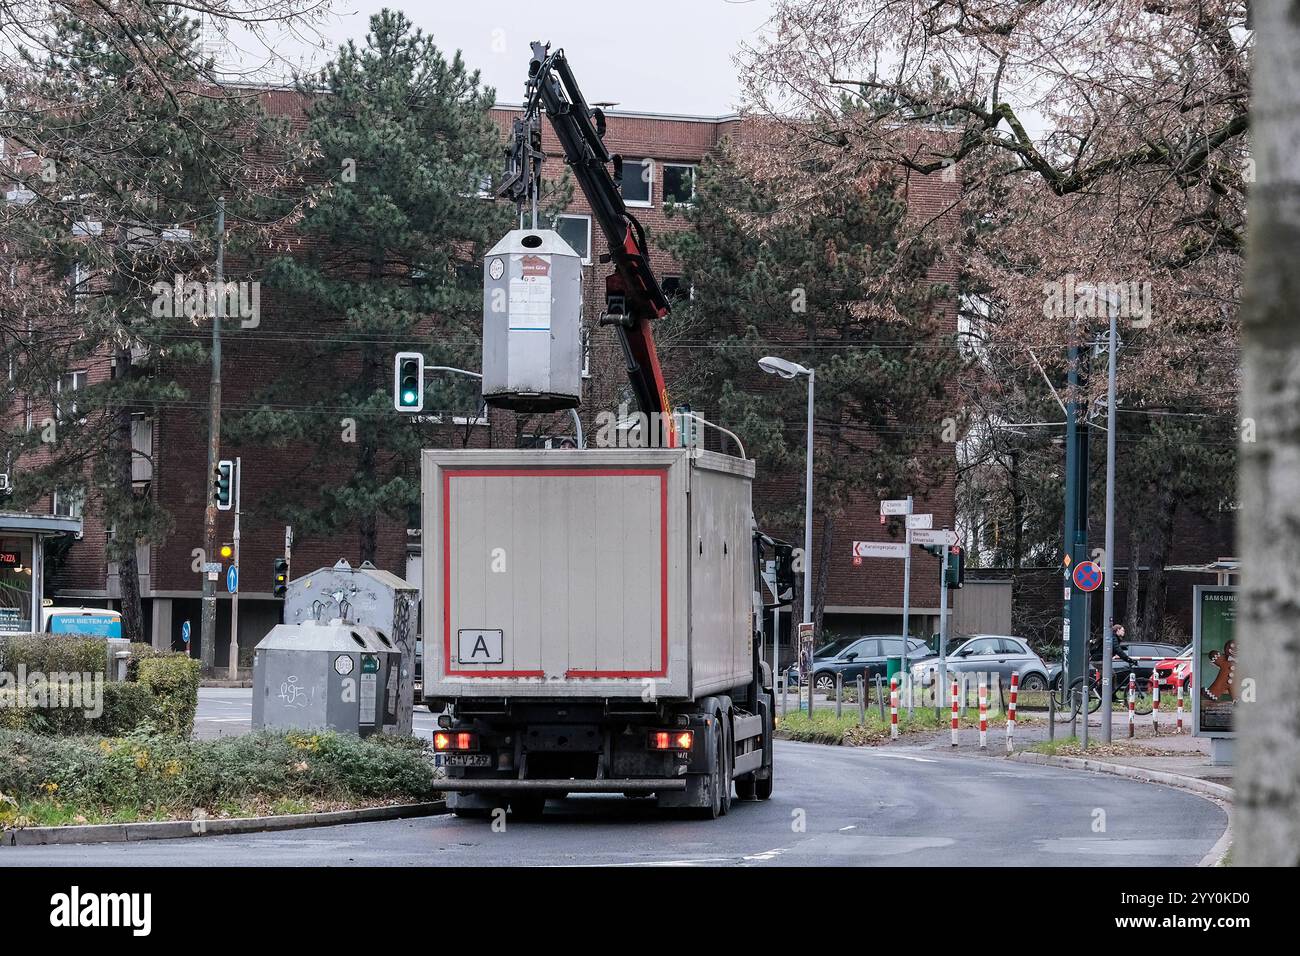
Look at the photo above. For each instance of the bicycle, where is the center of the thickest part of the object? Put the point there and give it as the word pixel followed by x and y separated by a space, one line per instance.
pixel 1068 701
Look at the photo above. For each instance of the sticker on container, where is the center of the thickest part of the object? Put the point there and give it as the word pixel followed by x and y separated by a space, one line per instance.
pixel 530 295
pixel 496 267
pixel 343 665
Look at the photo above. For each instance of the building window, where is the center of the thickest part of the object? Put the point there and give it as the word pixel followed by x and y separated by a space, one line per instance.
pixel 69 384
pixel 638 181
pixel 69 503
pixel 679 183
pixel 576 231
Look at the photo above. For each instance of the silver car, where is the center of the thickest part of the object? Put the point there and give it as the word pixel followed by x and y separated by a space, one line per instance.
pixel 990 654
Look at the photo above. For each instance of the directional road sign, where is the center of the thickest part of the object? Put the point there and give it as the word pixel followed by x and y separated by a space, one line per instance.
pixel 879 549
pixel 942 536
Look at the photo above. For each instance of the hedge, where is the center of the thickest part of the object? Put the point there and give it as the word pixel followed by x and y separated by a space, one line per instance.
pixel 160 693
pixel 167 774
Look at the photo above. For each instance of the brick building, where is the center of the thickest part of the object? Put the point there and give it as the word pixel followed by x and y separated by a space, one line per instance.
pixel 660 154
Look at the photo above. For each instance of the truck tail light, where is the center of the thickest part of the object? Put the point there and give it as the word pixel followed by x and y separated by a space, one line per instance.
pixel 672 739
pixel 452 740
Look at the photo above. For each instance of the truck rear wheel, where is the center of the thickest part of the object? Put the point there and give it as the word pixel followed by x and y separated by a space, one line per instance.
pixel 714 808
pixel 763 785
pixel 725 763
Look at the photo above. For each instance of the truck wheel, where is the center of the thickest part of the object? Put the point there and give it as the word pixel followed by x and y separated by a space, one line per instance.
pixel 714 809
pixel 763 785
pixel 746 787
pixel 725 763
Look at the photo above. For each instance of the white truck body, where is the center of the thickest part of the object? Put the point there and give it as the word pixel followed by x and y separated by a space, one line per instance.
pixel 599 574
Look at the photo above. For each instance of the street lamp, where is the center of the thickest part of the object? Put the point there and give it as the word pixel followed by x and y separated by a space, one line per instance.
pixel 791 370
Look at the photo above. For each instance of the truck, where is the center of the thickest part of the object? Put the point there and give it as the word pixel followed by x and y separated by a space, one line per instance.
pixel 590 626
pixel 592 619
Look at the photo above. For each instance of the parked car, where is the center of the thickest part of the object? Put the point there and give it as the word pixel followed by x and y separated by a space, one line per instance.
pixel 999 654
pixel 867 656
pixel 1173 671
pixel 825 652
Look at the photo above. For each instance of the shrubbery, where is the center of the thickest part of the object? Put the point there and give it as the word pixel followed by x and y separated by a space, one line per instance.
pixel 166 775
pixel 160 693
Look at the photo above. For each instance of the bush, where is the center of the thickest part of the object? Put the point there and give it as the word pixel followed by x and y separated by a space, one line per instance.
pixel 173 682
pixel 52 653
pixel 170 774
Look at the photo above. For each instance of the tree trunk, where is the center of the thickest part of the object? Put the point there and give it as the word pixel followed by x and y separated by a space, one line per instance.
pixel 1268 766
pixel 128 569
pixel 1131 605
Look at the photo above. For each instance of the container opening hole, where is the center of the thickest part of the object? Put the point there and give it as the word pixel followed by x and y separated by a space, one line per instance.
pixel 532 242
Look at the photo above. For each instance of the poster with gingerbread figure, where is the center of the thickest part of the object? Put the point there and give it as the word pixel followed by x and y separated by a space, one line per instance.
pixel 1215 659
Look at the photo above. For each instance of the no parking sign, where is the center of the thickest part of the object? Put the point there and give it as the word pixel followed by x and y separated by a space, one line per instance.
pixel 1087 576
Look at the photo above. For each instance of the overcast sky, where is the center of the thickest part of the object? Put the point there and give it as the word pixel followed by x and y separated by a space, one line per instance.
pixel 668 56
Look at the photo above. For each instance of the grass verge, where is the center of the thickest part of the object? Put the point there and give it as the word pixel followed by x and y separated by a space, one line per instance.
pixel 55 781
pixel 826 728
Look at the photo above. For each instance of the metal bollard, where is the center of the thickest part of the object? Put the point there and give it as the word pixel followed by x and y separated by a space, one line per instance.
pixel 1155 706
pixel 839 695
pixel 893 708
pixel 1051 714
pixel 955 719
pixel 984 713
pixel 1132 702
pixel 880 697
pixel 862 700
pixel 1180 705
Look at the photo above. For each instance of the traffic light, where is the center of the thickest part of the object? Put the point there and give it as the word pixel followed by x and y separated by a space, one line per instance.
pixel 956 567
pixel 280 585
pixel 227 552
pixel 935 549
pixel 408 382
pixel 222 481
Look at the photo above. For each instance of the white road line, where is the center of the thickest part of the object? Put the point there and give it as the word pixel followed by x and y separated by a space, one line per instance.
pixel 906 757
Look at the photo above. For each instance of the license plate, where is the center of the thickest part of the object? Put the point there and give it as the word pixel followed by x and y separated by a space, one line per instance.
pixel 469 760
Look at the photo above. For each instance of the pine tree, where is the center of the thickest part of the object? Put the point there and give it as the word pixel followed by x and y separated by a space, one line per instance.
pixel 396 224
pixel 822 280
pixel 132 145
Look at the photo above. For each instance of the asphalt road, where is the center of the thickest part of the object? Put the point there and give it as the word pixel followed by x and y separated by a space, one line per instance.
pixel 835 806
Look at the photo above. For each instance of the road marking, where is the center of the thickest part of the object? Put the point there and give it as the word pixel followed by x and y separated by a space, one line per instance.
pixel 851 826
pixel 765 855
pixel 907 757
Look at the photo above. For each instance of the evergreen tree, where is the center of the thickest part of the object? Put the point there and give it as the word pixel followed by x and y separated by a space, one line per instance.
pixel 132 144
pixel 396 225
pixel 824 280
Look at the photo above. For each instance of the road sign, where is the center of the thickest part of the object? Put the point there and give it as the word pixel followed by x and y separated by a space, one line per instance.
pixel 232 579
pixel 1087 576
pixel 920 522
pixel 185 632
pixel 899 506
pixel 879 549
pixel 942 537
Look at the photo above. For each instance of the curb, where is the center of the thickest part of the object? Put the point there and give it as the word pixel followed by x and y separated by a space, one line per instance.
pixel 174 829
pixel 1195 784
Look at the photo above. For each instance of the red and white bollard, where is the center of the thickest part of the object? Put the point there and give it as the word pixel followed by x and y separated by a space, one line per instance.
pixel 984 713
pixel 1180 706
pixel 1155 706
pixel 955 693
pixel 893 706
pixel 1011 710
pixel 1132 702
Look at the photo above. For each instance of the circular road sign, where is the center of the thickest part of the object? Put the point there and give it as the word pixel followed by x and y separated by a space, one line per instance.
pixel 1087 576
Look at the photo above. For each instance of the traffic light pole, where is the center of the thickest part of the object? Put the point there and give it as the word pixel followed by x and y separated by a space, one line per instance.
pixel 208 631
pixel 943 626
pixel 233 667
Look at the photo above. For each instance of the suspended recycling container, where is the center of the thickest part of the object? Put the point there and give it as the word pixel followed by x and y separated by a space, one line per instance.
pixel 532 323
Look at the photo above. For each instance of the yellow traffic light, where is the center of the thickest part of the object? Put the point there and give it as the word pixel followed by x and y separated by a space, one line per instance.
pixel 227 551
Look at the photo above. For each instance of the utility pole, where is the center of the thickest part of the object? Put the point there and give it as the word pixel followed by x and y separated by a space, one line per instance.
pixel 1075 619
pixel 943 621
pixel 233 666
pixel 208 631
pixel 904 675
pixel 1108 596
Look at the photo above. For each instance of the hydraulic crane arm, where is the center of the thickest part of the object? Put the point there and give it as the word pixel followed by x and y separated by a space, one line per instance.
pixel 633 297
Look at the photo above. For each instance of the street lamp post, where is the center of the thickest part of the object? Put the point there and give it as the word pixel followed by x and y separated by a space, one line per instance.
pixel 791 370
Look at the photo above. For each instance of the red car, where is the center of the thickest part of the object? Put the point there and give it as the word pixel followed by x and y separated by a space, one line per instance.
pixel 1173 671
